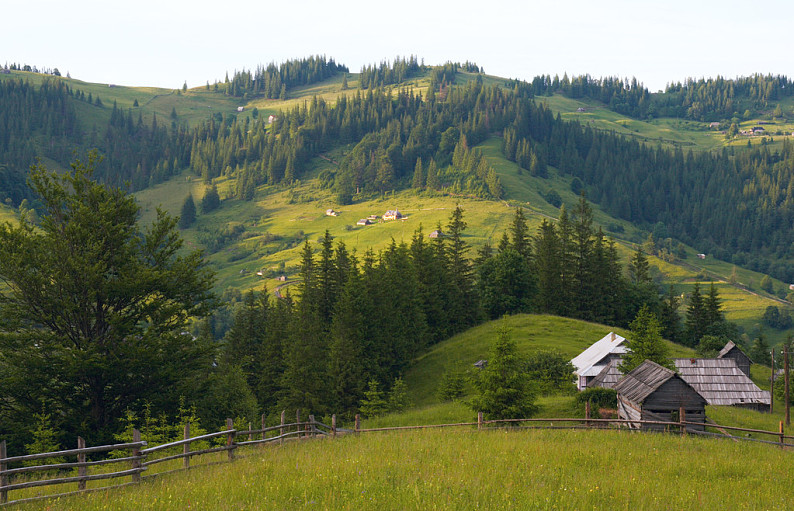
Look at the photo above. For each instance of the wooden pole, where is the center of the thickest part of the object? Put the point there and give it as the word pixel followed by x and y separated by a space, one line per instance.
pixel 785 379
pixel 310 426
pixel 281 430
pixel 136 451
pixel 358 423
pixel 3 477
pixel 230 438
pixel 682 419
pixel 81 471
pixel 298 421
pixel 333 426
pixel 250 435
pixel 781 435
pixel 263 426
pixel 186 447
pixel 479 420
pixel 772 386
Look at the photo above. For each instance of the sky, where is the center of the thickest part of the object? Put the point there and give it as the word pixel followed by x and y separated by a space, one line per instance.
pixel 166 43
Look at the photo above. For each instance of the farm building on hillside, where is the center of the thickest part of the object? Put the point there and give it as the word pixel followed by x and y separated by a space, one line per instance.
pixel 654 393
pixel 331 212
pixel 608 376
pixel 591 361
pixel 436 234
pixel 731 350
pixel 721 382
pixel 392 214
pixel 364 221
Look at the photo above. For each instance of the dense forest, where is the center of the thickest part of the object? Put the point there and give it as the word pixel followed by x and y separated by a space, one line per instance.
pixel 735 204
pixel 274 81
pixel 704 99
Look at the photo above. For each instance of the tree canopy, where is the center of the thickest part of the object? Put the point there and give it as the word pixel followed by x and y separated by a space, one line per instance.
pixel 94 308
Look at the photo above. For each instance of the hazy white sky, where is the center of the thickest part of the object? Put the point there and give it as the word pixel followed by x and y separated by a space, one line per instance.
pixel 167 42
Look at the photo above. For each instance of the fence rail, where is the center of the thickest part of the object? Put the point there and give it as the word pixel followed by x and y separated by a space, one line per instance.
pixel 140 460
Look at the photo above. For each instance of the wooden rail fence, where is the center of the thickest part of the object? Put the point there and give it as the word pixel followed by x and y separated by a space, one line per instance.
pixel 141 457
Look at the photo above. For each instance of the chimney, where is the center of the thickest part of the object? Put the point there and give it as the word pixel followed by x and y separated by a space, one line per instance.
pixel 611 336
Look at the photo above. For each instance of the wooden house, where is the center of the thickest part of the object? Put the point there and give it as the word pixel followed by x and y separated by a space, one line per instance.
pixel 392 214
pixel 731 350
pixel 721 382
pixel 436 234
pixel 364 221
pixel 591 361
pixel 608 376
pixel 331 212
pixel 654 393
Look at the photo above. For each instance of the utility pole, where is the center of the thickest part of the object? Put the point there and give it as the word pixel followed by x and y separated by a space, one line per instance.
pixel 785 376
pixel 772 385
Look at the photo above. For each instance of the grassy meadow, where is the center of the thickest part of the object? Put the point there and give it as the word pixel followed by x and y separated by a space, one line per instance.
pixel 463 468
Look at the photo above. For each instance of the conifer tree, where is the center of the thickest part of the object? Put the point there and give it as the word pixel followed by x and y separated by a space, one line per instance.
pixel 418 181
pixel 504 388
pixel 696 321
pixel 188 214
pixel 645 342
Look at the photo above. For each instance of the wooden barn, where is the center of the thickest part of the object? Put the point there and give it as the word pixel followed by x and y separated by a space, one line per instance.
pixel 721 382
pixel 654 393
pixel 733 351
pixel 591 361
pixel 608 376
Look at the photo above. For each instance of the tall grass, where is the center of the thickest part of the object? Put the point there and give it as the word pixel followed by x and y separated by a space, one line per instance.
pixel 467 469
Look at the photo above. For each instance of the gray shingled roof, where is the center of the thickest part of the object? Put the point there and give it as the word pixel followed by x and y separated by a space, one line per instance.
pixel 643 381
pixel 728 347
pixel 720 381
pixel 608 376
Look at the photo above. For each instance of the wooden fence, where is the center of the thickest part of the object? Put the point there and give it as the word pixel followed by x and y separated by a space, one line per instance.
pixel 141 457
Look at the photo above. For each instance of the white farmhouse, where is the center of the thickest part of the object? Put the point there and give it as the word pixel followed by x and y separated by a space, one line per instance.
pixel 594 359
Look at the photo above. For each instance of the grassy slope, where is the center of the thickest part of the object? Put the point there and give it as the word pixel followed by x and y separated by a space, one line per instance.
pixel 467 469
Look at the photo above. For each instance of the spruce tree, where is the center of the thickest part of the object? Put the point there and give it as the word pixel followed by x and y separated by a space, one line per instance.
pixel 504 388
pixel 418 181
pixel 188 214
pixel 645 342
pixel 696 319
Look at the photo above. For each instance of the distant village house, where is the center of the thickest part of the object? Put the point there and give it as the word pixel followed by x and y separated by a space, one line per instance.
pixel 331 212
pixel 364 221
pixel 392 214
pixel 436 234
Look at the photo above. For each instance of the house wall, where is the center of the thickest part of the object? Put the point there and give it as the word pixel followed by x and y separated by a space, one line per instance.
pixel 742 360
pixel 664 404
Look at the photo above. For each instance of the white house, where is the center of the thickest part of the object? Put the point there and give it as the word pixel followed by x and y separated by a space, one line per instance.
pixel 594 359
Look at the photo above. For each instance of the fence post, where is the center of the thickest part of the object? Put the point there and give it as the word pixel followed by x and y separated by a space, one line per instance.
pixel 136 452
pixel 298 421
pixel 479 420
pixel 230 439
pixel 358 423
pixel 682 419
pixel 781 435
pixel 3 477
pixel 263 427
pixel 281 429
pixel 310 426
pixel 587 413
pixel 186 447
pixel 333 426
pixel 82 471
pixel 250 435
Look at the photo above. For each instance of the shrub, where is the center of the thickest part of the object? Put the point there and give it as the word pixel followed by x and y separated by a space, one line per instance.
pixel 451 386
pixel 598 397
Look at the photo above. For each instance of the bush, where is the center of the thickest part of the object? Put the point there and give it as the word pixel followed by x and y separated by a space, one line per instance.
pixel 451 386
pixel 598 397
pixel 551 370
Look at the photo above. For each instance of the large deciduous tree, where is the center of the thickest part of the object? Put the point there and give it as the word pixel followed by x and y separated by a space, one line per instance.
pixel 94 307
